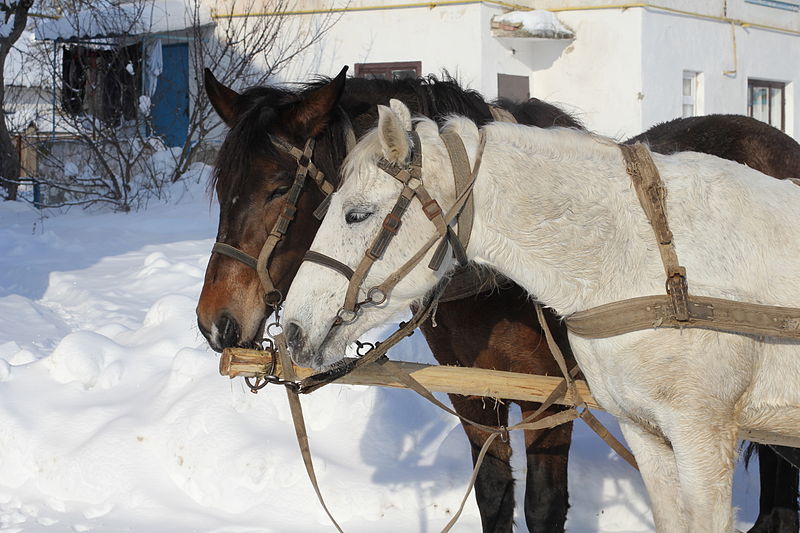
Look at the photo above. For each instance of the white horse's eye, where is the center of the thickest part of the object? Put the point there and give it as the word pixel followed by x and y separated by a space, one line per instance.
pixel 356 215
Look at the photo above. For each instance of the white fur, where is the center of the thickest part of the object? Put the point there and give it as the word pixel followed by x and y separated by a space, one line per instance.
pixel 555 211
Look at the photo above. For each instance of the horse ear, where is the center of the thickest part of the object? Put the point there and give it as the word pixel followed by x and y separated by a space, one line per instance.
pixel 394 139
pixel 311 115
pixel 402 112
pixel 222 98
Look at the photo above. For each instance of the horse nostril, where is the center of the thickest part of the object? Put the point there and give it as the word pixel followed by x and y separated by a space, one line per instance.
pixel 294 335
pixel 228 330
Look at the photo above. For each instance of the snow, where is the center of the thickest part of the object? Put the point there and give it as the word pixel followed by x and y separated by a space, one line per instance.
pixel 535 23
pixel 107 20
pixel 113 416
pixel 23 66
pixel 6 26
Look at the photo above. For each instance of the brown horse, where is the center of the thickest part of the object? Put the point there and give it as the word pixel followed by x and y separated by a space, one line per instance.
pixel 492 329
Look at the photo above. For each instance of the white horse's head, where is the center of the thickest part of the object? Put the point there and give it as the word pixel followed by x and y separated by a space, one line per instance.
pixel 354 219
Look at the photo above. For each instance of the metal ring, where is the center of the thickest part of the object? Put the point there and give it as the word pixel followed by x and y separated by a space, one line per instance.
pixel 360 348
pixel 270 327
pixel 346 316
pixel 376 291
pixel 257 386
pixel 273 297
pixel 266 345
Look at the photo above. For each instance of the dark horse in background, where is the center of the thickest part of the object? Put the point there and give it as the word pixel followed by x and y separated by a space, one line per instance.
pixel 491 327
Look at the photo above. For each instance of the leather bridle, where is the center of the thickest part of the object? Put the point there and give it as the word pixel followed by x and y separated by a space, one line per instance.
pixel 410 176
pixel 305 168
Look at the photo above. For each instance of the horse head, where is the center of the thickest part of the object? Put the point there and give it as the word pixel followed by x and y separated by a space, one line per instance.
pixel 318 323
pixel 254 179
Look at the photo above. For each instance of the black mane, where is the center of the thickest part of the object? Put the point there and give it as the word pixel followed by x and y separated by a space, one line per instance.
pixel 257 109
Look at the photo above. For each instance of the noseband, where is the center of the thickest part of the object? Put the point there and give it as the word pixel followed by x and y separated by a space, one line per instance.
pixel 410 176
pixel 305 168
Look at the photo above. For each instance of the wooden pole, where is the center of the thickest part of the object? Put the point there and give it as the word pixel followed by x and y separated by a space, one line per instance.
pixel 438 378
pixel 240 362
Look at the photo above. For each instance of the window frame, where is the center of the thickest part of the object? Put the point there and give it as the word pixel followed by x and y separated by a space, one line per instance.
pixel 767 84
pixel 363 69
pixel 691 98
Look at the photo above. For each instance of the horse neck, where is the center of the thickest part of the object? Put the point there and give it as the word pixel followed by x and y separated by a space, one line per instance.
pixel 553 212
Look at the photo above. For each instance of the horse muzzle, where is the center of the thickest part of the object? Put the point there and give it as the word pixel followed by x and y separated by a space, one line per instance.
pixel 300 348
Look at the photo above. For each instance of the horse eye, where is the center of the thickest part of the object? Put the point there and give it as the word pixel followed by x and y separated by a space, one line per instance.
pixel 354 216
pixel 277 193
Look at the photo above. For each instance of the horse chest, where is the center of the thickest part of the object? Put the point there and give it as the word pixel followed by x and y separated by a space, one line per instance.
pixel 648 375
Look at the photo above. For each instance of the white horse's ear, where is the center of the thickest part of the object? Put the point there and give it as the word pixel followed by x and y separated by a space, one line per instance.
pixel 394 140
pixel 402 112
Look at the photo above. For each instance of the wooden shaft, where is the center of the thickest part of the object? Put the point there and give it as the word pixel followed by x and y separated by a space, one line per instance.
pixel 237 362
pixel 438 378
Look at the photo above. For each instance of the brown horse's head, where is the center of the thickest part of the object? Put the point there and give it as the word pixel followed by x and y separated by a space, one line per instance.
pixel 252 178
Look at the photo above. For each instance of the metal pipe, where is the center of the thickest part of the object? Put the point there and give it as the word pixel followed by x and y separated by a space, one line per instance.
pixel 509 5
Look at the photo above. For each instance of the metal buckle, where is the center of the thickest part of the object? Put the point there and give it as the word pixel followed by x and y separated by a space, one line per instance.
pixel 346 316
pixel 432 209
pixel 392 223
pixel 376 296
pixel 289 211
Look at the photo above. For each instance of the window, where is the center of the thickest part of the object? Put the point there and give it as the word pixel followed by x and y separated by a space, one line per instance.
pixel 766 101
pixel 389 71
pixel 102 83
pixel 514 88
pixel 691 94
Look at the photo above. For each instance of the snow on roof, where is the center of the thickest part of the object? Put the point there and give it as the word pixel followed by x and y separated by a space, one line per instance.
pixel 22 68
pixel 537 23
pixel 137 18
pixel 5 27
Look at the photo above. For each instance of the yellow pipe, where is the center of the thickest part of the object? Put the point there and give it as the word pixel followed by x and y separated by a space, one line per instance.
pixel 403 5
pixel 647 5
pixel 735 57
pixel 43 16
pixel 509 5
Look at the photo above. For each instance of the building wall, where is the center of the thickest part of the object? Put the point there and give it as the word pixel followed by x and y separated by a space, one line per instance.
pixel 672 44
pixel 598 75
pixel 620 75
pixel 442 38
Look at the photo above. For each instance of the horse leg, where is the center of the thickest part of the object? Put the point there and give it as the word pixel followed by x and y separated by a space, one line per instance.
pixel 494 486
pixel 705 457
pixel 656 461
pixel 546 497
pixel 778 503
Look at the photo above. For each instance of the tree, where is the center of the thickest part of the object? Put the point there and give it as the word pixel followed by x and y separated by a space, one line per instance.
pixel 15 19
pixel 115 153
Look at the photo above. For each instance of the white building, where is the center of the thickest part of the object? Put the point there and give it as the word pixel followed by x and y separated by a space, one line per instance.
pixel 629 65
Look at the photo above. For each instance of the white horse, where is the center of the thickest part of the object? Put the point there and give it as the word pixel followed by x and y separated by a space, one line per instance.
pixel 556 212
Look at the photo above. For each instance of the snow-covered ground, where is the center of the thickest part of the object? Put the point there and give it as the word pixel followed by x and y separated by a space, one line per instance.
pixel 113 416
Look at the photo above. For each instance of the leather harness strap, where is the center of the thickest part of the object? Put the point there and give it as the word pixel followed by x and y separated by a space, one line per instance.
pixel 678 309
pixel 466 282
pixel 502 115
pixel 459 161
pixel 296 409
pixel 652 196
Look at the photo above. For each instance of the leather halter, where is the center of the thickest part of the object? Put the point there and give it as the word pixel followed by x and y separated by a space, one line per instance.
pixel 305 168
pixel 410 176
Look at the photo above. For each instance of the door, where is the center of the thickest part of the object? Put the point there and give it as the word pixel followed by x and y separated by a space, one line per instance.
pixel 171 100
